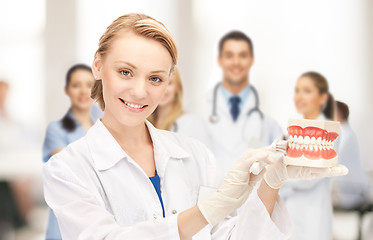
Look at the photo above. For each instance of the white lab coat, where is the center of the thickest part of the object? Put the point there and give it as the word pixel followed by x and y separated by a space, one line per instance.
pixel 192 126
pixel 310 207
pixel 352 189
pixel 98 192
pixel 229 139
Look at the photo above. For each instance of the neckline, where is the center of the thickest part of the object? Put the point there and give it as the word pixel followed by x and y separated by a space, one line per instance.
pixel 155 175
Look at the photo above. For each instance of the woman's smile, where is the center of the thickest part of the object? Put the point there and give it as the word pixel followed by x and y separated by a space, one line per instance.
pixel 133 107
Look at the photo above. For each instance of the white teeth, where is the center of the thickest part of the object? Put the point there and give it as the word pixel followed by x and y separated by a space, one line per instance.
pixel 133 105
pixel 309 143
pixel 307 140
pixel 300 140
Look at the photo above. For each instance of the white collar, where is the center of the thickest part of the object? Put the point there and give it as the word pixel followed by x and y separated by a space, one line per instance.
pixel 106 151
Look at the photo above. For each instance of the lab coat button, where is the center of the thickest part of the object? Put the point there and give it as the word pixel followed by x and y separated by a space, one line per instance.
pixel 174 211
pixel 155 216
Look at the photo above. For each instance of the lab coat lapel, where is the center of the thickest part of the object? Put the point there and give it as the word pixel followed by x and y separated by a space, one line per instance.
pixel 105 150
pixel 164 149
pixel 169 160
pixel 121 179
pixel 222 106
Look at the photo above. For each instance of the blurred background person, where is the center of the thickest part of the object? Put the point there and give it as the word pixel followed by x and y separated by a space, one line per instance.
pixel 235 121
pixel 3 92
pixel 353 189
pixel 309 202
pixel 81 115
pixel 16 184
pixel 170 115
pixel 10 214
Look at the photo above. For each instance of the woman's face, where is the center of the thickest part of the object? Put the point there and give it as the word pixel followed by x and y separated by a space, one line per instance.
pixel 169 95
pixel 79 89
pixel 135 74
pixel 307 97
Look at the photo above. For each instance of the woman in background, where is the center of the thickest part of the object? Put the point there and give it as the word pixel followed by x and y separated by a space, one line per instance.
pixel 309 202
pixel 170 109
pixel 352 190
pixel 74 125
pixel 170 115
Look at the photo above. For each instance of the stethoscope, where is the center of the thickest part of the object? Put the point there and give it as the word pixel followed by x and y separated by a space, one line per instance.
pixel 214 118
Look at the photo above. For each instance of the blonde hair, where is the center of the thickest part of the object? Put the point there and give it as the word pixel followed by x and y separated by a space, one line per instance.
pixel 142 25
pixel 177 106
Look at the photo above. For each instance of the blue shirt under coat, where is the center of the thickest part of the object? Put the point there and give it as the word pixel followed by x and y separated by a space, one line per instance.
pixel 243 95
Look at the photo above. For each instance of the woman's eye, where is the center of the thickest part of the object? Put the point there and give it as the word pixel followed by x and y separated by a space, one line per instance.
pixel 156 79
pixel 125 73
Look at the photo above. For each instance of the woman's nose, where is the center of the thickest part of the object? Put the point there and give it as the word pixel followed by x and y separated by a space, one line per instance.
pixel 85 90
pixel 138 90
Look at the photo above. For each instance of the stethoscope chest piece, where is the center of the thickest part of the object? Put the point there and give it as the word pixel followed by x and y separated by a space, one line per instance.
pixel 214 118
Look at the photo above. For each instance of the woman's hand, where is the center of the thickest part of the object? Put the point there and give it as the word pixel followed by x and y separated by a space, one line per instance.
pixel 236 187
pixel 277 173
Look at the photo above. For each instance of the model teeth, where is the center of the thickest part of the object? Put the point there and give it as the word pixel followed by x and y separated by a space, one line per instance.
pixel 311 143
pixel 300 140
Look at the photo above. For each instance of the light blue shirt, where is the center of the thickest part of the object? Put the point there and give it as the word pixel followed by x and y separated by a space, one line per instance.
pixel 56 138
pixel 243 95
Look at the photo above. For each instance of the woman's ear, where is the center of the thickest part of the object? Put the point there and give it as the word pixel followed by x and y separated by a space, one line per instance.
pixel 96 67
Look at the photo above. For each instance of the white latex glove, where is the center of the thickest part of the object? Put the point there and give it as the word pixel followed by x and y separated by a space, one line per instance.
pixel 277 146
pixel 236 187
pixel 277 173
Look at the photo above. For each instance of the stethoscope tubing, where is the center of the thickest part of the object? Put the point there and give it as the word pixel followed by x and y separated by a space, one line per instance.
pixel 214 118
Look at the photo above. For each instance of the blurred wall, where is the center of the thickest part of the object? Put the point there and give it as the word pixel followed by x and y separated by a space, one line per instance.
pixel 22 59
pixel 60 54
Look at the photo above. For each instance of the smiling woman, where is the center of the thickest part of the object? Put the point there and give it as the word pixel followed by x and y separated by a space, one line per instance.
pixel 74 125
pixel 131 83
pixel 128 180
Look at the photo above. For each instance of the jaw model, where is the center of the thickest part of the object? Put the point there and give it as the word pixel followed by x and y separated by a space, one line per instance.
pixel 311 143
